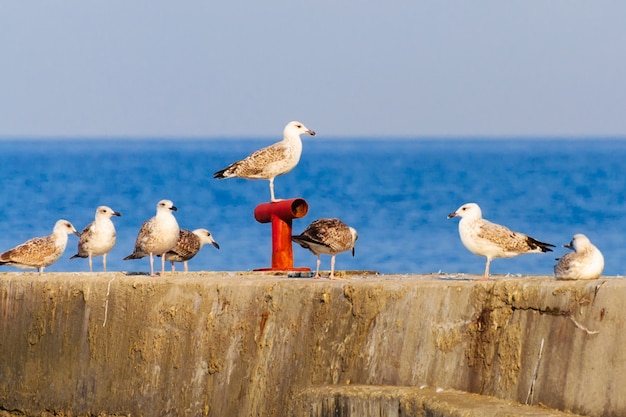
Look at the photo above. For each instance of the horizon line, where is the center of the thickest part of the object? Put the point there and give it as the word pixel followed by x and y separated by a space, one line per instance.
pixel 331 137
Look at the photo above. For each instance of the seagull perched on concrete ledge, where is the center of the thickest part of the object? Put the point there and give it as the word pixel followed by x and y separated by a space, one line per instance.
pixel 585 262
pixel 188 245
pixel 98 238
pixel 272 161
pixel 40 252
pixel 157 235
pixel 491 240
pixel 327 236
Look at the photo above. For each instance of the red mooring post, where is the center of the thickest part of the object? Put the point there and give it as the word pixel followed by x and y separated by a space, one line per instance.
pixel 281 213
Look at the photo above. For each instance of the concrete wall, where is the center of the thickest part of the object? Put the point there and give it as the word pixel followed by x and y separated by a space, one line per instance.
pixel 395 401
pixel 250 345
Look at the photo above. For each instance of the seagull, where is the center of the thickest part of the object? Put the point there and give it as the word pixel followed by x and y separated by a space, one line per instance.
pixel 586 262
pixel 327 236
pixel 188 245
pixel 98 238
pixel 157 235
pixel 40 252
pixel 272 161
pixel 491 240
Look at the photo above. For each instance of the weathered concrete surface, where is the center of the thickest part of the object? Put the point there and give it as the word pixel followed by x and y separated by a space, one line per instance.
pixel 248 345
pixel 387 401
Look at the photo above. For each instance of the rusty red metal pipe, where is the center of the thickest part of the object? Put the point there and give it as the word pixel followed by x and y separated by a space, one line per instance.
pixel 280 214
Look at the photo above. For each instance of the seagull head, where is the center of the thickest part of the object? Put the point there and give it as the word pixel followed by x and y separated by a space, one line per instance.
pixel 63 226
pixel 355 236
pixel 206 237
pixel 467 211
pixel 296 129
pixel 106 212
pixel 166 206
pixel 579 242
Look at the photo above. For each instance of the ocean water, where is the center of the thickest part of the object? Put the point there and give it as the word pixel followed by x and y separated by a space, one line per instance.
pixel 396 193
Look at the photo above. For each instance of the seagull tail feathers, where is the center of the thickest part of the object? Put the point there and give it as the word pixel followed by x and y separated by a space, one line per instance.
pixel 228 172
pixel 542 246
pixel 224 173
pixel 300 241
pixel 220 174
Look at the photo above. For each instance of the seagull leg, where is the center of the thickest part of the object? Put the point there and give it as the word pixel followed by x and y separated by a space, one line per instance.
pixel 90 264
pixel 272 190
pixel 332 268
pixel 163 264
pixel 317 268
pixel 486 276
pixel 40 270
pixel 152 266
pixel 104 262
pixel 173 267
pixel 186 267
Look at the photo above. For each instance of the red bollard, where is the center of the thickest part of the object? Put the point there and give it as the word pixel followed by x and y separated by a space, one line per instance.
pixel 281 213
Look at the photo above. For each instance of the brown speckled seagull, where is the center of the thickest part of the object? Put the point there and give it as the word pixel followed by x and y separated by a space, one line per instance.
pixel 483 238
pixel 40 252
pixel 98 238
pixel 157 235
pixel 188 245
pixel 329 237
pixel 272 161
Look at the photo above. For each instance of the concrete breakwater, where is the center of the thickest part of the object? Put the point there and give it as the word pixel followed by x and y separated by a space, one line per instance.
pixel 243 344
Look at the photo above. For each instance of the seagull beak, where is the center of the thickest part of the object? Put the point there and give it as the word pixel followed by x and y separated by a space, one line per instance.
pixel 214 243
pixel 174 208
pixel 310 132
pixel 451 215
pixel 115 213
pixel 569 246
pixel 76 233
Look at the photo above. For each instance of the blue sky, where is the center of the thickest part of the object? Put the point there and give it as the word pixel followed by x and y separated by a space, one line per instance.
pixel 403 68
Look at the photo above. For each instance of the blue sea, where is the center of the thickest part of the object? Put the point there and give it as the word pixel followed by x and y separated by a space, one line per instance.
pixel 396 193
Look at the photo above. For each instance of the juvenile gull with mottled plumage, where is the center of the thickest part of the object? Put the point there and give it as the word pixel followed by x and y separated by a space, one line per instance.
pixel 483 238
pixel 188 245
pixel 98 238
pixel 157 235
pixel 40 252
pixel 585 262
pixel 327 236
pixel 272 161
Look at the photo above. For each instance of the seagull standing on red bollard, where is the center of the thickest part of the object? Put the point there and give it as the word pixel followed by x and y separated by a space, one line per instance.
pixel 272 161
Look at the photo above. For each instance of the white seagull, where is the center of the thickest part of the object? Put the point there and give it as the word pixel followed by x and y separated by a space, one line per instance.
pixel 188 245
pixel 585 262
pixel 98 238
pixel 329 237
pixel 40 252
pixel 157 235
pixel 483 238
pixel 272 161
